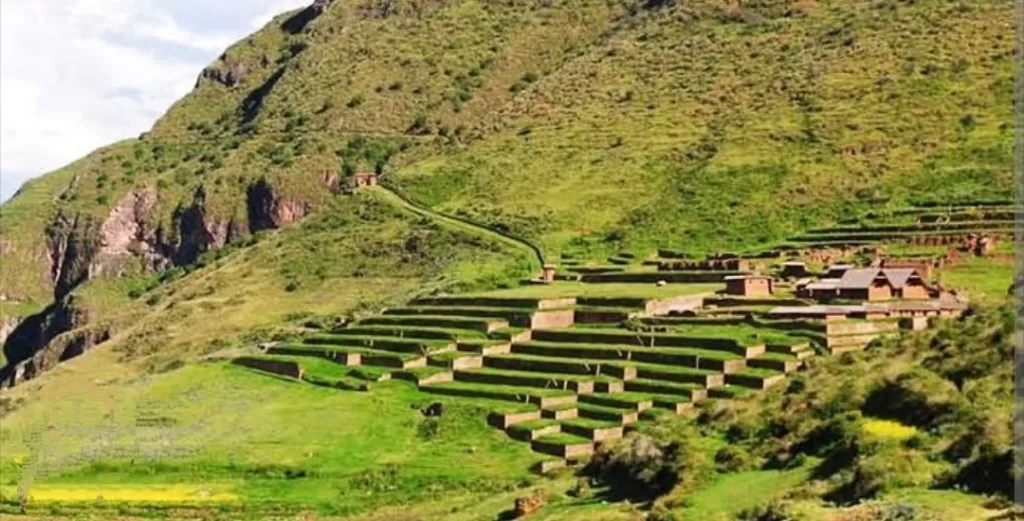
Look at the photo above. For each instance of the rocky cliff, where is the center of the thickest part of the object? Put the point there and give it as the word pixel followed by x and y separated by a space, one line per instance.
pixel 126 242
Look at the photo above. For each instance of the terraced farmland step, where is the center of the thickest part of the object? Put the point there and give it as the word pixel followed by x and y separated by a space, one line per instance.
pixel 643 339
pixel 755 378
pixel 784 363
pixel 639 401
pixel 426 333
pixel 532 430
pixel 694 358
pixel 673 277
pixel 424 375
pixel 595 430
pixel 959 226
pixel 686 375
pixel 352 355
pixel 473 323
pixel 693 392
pixel 609 414
pixel 563 445
pixel 391 344
pixel 515 317
pixel 728 392
pixel 574 383
pixel 485 347
pixel 561 366
pixel 540 397
pixel 496 302
pixel 456 360
pixel 595 315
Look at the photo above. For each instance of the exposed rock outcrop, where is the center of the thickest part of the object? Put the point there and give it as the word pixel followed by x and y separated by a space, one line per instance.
pixel 61 348
pixel 224 72
pixel 37 331
pixel 126 235
pixel 300 20
pixel 269 211
pixel 81 247
pixel 73 243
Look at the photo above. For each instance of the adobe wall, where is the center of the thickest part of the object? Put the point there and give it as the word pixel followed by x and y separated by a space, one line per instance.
pixel 552 319
pixel 862 328
pixel 915 293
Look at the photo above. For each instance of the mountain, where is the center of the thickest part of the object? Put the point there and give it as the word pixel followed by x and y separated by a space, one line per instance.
pixel 577 127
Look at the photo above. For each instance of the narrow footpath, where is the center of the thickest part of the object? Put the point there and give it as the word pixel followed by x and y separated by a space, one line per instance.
pixel 464 224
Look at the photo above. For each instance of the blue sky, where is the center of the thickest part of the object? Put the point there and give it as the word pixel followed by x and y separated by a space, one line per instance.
pixel 76 75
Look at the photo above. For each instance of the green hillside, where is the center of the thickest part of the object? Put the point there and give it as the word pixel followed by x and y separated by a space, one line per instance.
pixel 509 133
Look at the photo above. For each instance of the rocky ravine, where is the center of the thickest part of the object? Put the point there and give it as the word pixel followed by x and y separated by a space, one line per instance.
pixel 127 242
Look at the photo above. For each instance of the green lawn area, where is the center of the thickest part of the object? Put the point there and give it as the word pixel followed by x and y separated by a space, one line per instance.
pixel 265 440
pixel 563 289
pixel 980 277
pixel 732 493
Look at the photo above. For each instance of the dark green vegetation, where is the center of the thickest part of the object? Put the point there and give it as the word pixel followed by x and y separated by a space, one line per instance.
pixel 932 411
pixel 689 126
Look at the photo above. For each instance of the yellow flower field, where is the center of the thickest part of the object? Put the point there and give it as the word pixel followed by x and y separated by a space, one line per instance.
pixel 140 494
pixel 888 430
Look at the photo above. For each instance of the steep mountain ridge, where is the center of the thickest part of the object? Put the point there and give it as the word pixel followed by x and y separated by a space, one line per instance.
pixel 698 125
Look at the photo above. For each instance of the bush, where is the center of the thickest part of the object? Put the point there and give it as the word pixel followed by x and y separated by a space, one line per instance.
pixel 642 467
pixel 733 458
pixel 772 511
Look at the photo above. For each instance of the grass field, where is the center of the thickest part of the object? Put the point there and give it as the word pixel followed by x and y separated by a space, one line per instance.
pixel 982 279
pixel 263 442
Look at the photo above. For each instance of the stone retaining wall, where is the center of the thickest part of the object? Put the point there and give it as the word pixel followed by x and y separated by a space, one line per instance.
pixel 279 367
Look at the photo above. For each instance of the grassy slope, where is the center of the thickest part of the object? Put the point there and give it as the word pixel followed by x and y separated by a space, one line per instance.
pixel 685 128
pixel 236 429
pixel 691 126
pixel 679 126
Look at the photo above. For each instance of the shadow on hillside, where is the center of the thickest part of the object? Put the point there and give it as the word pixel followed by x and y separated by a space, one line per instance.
pixel 252 103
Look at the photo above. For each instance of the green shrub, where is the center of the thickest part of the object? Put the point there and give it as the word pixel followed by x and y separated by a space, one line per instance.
pixel 733 458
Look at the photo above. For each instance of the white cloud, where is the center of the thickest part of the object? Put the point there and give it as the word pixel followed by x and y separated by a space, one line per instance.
pixel 76 75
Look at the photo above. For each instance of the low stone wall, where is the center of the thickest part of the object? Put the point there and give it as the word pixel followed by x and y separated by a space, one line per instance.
pixel 279 367
pixel 625 417
pixel 609 387
pixel 595 434
pixel 753 382
pixel 596 316
pixel 677 277
pixel 546 366
pixel 530 435
pixel 467 362
pixel 675 407
pixel 563 451
pixel 862 328
pixel 553 401
pixel 611 401
pixel 916 323
pixel 673 305
pixel 641 340
pixel 561 414
pixel 496 302
pixel 848 340
pixel 786 366
pixel 552 319
pixel 503 421
pixel 707 380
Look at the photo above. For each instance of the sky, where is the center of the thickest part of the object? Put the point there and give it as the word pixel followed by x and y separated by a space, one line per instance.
pixel 76 75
